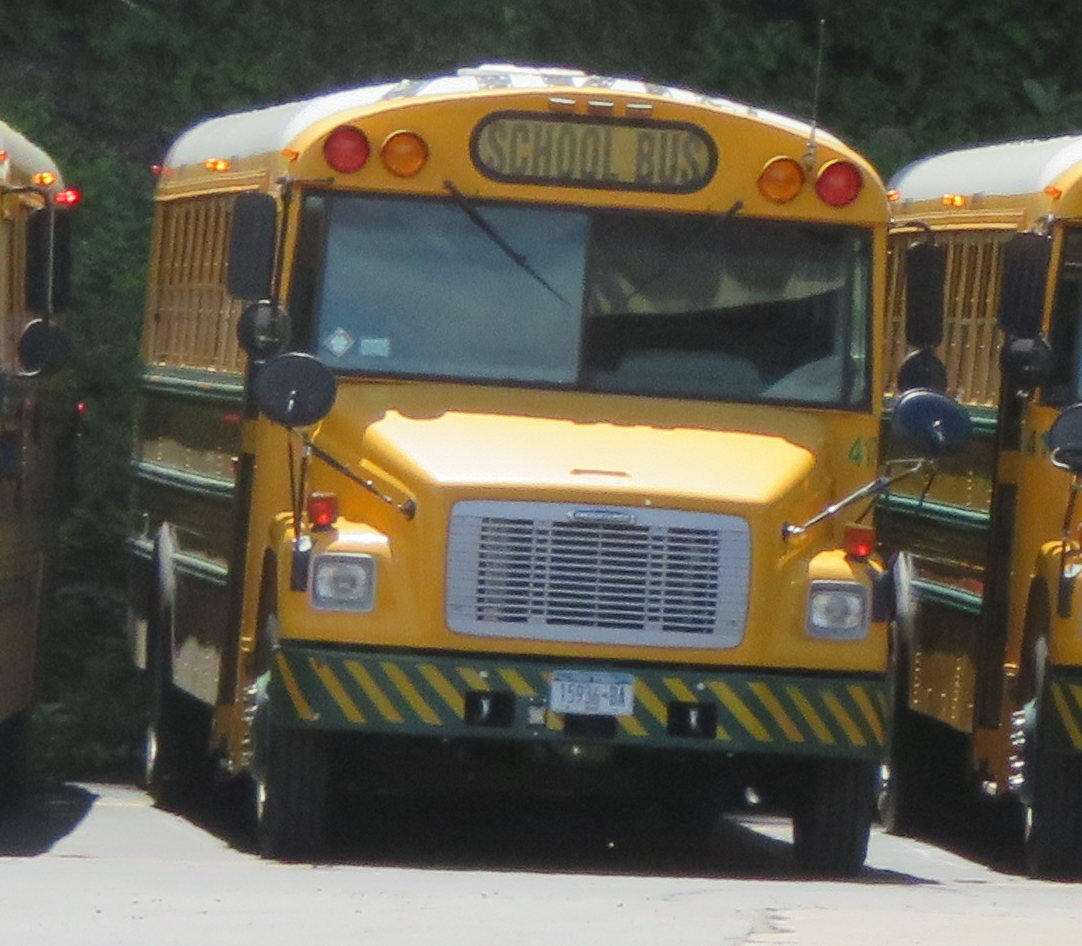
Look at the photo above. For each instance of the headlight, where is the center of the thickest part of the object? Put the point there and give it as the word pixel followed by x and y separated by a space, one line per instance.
pixel 838 610
pixel 344 582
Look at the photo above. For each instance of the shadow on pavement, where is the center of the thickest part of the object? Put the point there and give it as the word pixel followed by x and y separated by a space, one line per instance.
pixel 48 814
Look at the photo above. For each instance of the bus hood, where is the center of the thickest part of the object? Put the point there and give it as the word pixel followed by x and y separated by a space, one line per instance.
pixel 490 454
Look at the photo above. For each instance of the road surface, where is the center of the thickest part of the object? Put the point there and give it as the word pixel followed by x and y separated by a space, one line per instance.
pixel 100 864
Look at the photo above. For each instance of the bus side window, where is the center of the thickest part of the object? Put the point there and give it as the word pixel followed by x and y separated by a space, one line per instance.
pixel 1065 382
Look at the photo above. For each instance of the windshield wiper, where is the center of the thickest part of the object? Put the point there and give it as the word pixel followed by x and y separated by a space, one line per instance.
pixel 465 205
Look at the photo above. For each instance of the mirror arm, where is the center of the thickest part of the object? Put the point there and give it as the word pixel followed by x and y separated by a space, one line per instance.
pixel 407 508
pixel 876 487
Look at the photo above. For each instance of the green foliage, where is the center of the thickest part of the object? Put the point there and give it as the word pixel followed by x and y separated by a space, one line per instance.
pixel 105 87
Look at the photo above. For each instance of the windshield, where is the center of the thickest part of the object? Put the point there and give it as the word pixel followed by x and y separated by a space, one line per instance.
pixel 679 305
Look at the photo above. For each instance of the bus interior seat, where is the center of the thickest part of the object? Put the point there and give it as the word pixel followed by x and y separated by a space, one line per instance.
pixel 672 371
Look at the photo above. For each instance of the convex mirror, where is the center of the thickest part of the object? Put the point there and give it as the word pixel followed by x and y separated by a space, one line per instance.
pixel 43 348
pixel 1065 439
pixel 263 330
pixel 294 389
pixel 932 423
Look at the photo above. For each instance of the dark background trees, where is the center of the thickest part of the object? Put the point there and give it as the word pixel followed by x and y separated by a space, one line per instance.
pixel 105 85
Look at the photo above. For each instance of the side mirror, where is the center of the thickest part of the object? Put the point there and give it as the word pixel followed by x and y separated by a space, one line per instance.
pixel 1025 270
pixel 925 277
pixel 48 261
pixel 253 237
pixel 294 389
pixel 263 330
pixel 43 348
pixel 1027 362
pixel 934 424
pixel 922 369
pixel 1065 439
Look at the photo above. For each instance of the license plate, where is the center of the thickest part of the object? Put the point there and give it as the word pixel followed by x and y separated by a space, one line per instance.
pixel 586 693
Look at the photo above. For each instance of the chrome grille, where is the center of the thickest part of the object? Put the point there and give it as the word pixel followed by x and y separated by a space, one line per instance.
pixel 597 574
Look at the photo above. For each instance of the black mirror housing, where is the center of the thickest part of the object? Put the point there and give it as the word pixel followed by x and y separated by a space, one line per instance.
pixel 1065 439
pixel 263 330
pixel 1026 362
pixel 253 238
pixel 925 277
pixel 294 389
pixel 932 423
pixel 43 348
pixel 1025 271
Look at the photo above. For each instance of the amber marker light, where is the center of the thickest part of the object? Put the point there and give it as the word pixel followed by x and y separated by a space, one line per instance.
pixel 953 200
pixel 217 164
pixel 44 178
pixel 404 153
pixel 781 179
pixel 838 183
pixel 1054 192
pixel 346 149
pixel 3 155
pixel 894 195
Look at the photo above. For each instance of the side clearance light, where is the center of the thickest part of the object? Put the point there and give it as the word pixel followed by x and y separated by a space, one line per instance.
pixel 322 510
pixel 781 179
pixel 68 197
pixel 404 153
pixel 346 149
pixel 839 183
pixel 859 542
pixel 44 178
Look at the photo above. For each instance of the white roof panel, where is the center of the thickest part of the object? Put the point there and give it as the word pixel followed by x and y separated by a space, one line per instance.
pixel 23 156
pixel 265 130
pixel 1014 167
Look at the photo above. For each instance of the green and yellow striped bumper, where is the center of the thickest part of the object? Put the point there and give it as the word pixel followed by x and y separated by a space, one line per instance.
pixel 1061 724
pixel 728 711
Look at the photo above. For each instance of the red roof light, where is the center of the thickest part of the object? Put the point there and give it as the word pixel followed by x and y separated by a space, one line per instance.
pixel 346 149
pixel 839 183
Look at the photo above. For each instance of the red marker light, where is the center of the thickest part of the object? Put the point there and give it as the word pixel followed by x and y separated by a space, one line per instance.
pixel 346 149
pixel 322 510
pixel 859 542
pixel 68 197
pixel 839 183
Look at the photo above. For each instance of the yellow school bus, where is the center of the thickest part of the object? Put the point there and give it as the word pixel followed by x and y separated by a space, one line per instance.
pixel 34 262
pixel 995 650
pixel 511 413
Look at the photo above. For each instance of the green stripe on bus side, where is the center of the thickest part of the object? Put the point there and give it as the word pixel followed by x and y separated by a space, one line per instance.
pixel 941 513
pixel 948 596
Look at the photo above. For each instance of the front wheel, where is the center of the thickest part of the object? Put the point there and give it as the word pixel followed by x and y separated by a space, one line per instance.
pixel 832 820
pixel 14 758
pixel 292 793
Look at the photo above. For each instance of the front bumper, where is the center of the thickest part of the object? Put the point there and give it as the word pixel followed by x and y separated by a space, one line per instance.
pixel 472 696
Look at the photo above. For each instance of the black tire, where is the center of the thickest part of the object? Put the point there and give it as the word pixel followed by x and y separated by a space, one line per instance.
pixel 14 759
pixel 177 762
pixel 833 819
pixel 292 793
pixel 1053 816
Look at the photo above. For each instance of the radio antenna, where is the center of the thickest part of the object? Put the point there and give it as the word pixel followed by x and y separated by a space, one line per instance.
pixel 809 152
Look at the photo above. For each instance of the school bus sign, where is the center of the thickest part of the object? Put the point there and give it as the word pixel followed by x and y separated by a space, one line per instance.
pixel 668 157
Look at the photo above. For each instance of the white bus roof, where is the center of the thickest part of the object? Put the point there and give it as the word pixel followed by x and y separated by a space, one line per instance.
pixel 23 158
pixel 272 129
pixel 1014 167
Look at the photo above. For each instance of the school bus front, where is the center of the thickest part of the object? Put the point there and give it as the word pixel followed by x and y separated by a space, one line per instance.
pixel 579 384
